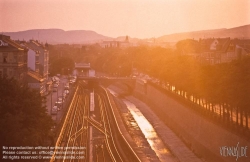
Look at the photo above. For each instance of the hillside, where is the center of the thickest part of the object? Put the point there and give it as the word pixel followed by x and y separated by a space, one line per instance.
pixel 237 32
pixel 57 36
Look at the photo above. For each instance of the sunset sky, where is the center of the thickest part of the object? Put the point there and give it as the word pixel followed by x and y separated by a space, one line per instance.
pixel 136 18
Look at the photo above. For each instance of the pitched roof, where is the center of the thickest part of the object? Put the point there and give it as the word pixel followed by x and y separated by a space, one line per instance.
pixel 12 45
pixel 35 45
pixel 244 43
pixel 223 44
pixel 34 77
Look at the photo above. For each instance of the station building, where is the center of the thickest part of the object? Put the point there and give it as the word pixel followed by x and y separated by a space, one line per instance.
pixel 82 69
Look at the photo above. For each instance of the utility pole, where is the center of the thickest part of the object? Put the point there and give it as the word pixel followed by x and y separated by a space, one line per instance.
pixel 62 96
pixel 51 102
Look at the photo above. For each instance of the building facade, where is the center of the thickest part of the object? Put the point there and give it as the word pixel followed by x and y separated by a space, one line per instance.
pixel 222 50
pixel 82 69
pixel 26 62
pixel 116 43
pixel 33 60
pixel 43 57
pixel 13 59
pixel 37 82
pixel 38 58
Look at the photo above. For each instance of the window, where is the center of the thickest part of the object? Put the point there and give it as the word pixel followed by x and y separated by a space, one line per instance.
pixel 10 73
pixel 5 57
pixel 4 72
pixel 10 57
pixel 15 57
pixel 231 47
pixel 1 57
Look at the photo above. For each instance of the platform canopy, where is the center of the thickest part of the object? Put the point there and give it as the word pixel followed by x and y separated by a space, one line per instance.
pixel 82 65
pixel 82 69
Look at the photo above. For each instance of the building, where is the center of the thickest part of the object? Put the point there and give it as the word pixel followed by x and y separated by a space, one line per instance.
pixel 27 62
pixel 43 57
pixel 109 44
pixel 222 50
pixel 82 69
pixel 37 82
pixel 116 44
pixel 33 60
pixel 213 49
pixel 13 59
pixel 37 76
pixel 241 47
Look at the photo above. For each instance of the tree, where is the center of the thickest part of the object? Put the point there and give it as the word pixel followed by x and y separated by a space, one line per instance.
pixel 61 65
pixel 187 46
pixel 24 120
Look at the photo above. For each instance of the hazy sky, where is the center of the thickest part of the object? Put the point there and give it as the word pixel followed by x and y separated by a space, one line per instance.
pixel 136 18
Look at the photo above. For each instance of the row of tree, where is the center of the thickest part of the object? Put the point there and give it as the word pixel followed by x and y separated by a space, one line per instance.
pixel 225 85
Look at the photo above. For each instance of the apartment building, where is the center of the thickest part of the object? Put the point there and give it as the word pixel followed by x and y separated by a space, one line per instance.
pixel 13 59
pixel 37 76
pixel 27 62
pixel 220 50
pixel 43 56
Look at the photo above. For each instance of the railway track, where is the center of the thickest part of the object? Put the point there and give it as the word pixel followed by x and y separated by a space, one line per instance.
pixel 109 139
pixel 77 138
pixel 74 133
pixel 117 143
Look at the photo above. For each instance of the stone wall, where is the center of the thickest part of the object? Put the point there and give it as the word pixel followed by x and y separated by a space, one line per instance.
pixel 204 137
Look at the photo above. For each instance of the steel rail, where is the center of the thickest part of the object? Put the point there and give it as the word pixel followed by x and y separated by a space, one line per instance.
pixel 106 126
pixel 74 125
pixel 74 119
pixel 97 126
pixel 61 135
pixel 86 125
pixel 71 129
pixel 82 138
pixel 113 114
pixel 79 123
pixel 109 125
pixel 105 129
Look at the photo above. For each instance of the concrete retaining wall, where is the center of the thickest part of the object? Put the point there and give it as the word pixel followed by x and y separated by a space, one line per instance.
pixel 202 136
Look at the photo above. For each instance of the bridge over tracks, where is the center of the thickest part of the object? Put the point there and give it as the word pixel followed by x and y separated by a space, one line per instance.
pixel 127 83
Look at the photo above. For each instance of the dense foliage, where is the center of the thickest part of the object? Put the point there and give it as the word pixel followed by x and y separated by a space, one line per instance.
pixel 61 65
pixel 24 120
pixel 226 85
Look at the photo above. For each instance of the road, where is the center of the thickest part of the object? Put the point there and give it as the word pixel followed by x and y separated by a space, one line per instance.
pixel 52 97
